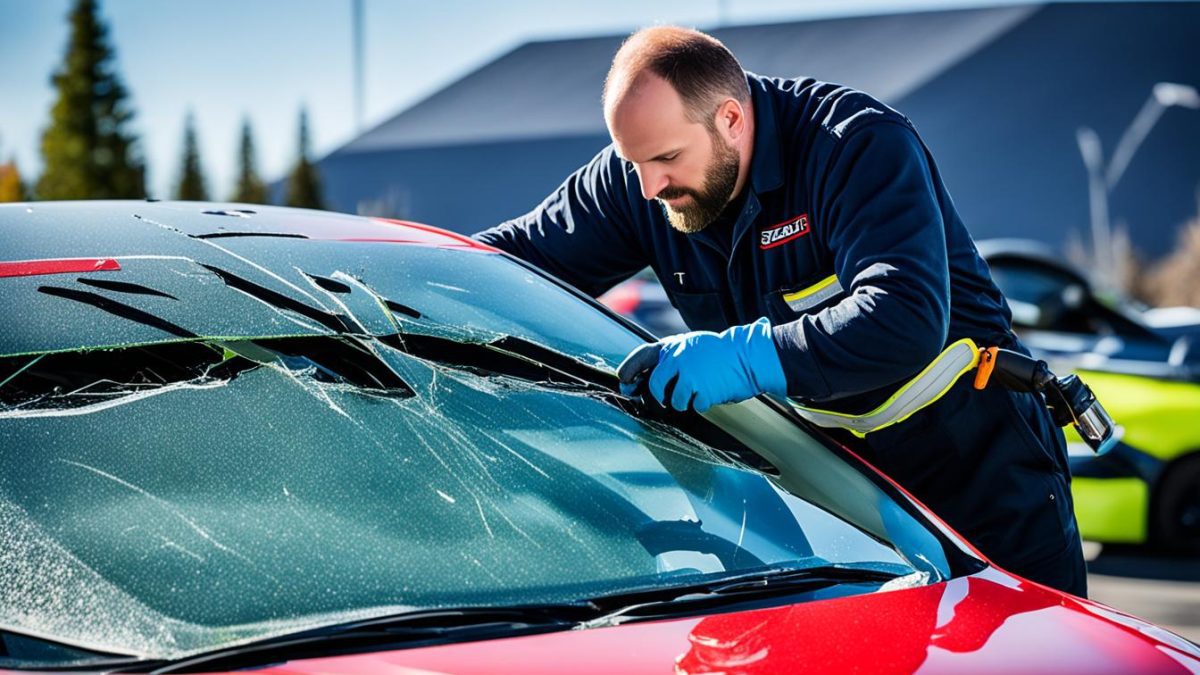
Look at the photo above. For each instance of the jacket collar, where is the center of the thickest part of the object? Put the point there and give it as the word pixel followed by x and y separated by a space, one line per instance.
pixel 766 168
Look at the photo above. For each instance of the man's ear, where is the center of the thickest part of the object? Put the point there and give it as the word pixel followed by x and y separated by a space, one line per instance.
pixel 731 119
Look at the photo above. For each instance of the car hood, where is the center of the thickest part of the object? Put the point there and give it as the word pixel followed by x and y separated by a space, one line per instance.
pixel 987 622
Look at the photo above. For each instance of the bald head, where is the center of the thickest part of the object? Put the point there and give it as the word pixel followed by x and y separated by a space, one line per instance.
pixel 678 109
pixel 697 66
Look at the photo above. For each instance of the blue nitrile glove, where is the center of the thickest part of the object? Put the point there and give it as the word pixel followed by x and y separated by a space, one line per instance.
pixel 708 368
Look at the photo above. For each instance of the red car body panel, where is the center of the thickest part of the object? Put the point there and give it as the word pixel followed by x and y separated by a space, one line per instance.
pixel 416 233
pixel 29 268
pixel 623 298
pixel 990 622
pixel 380 230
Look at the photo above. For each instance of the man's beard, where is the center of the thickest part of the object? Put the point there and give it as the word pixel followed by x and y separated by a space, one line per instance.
pixel 720 177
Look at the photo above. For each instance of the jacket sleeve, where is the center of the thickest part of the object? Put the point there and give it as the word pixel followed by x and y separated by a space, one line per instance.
pixel 584 232
pixel 878 213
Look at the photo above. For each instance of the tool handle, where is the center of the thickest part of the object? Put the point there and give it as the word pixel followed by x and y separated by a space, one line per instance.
pixel 639 363
pixel 1012 370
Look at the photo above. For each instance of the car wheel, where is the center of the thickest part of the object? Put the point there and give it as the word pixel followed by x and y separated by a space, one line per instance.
pixel 1176 519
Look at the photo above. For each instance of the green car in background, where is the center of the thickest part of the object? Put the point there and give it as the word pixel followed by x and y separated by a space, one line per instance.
pixel 1147 488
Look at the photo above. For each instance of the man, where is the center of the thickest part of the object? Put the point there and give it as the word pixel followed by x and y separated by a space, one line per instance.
pixel 809 224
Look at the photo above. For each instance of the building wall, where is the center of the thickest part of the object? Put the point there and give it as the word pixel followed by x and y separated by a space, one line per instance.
pixel 1001 123
pixel 461 188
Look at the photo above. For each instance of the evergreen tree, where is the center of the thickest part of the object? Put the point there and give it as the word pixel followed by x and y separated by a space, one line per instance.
pixel 304 184
pixel 88 150
pixel 250 188
pixel 191 177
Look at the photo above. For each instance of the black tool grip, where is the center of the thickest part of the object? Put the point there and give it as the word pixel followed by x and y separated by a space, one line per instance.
pixel 1018 372
pixel 639 362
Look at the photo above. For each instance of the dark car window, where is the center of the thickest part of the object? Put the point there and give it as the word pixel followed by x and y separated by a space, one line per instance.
pixel 165 498
pixel 1050 298
pixel 1042 297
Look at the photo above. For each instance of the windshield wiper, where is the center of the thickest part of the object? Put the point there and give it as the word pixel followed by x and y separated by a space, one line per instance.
pixel 786 578
pixel 692 598
pixel 409 629
pixel 463 624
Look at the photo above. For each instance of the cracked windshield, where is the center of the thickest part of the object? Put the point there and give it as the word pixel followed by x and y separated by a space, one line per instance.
pixel 252 436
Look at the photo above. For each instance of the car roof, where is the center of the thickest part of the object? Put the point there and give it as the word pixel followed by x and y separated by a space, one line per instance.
pixel 163 271
pixel 1029 251
pixel 223 219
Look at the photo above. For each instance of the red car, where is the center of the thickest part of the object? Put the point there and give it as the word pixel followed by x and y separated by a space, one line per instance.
pixel 240 437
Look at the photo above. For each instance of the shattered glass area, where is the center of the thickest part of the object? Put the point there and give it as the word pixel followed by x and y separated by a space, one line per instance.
pixel 240 508
pixel 239 437
pixel 468 297
pixel 36 563
pixel 173 285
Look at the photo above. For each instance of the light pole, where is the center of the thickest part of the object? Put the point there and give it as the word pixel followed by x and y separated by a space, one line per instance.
pixel 357 20
pixel 1101 180
pixel 722 13
pixel 1093 160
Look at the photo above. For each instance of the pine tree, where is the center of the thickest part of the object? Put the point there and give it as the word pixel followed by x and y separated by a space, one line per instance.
pixel 250 188
pixel 191 177
pixel 304 184
pixel 88 150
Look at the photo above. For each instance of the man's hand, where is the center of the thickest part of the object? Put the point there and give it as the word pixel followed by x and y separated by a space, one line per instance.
pixel 707 368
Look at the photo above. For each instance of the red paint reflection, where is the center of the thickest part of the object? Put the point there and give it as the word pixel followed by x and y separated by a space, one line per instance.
pixel 889 632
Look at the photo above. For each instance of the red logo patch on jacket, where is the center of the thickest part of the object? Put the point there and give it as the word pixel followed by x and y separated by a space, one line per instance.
pixel 783 232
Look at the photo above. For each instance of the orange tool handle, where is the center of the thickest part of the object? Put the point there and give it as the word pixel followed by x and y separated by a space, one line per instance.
pixel 987 363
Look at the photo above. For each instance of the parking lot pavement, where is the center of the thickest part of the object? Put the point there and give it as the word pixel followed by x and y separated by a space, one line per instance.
pixel 1161 589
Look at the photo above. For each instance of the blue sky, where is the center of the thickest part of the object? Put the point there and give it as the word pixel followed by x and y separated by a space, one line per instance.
pixel 225 59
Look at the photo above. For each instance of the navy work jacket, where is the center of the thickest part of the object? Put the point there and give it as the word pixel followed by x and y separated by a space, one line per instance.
pixel 847 241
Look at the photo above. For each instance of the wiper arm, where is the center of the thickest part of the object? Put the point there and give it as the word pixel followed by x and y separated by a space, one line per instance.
pixel 828 574
pixel 409 629
pixel 439 626
pixel 659 603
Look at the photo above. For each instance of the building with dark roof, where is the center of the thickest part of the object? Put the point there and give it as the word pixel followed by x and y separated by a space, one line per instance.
pixel 997 93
